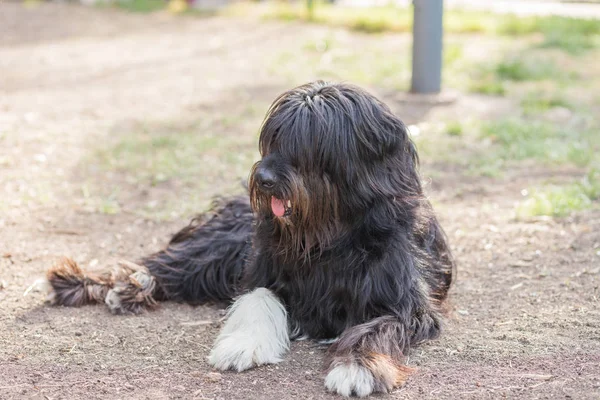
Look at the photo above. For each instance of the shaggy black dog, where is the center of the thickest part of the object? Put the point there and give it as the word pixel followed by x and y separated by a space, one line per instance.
pixel 336 242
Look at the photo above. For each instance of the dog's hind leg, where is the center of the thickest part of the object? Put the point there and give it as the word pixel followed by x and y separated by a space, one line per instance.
pixel 439 269
pixel 202 263
pixel 370 357
pixel 134 290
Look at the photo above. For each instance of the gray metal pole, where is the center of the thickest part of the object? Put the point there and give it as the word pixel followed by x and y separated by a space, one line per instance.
pixel 427 46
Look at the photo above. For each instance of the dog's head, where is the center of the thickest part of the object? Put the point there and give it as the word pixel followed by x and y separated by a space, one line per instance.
pixel 330 152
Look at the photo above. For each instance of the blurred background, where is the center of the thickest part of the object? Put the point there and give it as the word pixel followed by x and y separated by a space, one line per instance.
pixel 146 98
pixel 120 120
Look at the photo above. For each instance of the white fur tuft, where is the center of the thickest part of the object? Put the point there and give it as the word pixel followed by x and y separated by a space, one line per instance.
pixel 346 379
pixel 329 341
pixel 255 333
pixel 112 300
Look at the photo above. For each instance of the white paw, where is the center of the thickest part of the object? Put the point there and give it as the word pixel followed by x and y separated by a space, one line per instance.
pixel 241 352
pixel 348 379
pixel 255 333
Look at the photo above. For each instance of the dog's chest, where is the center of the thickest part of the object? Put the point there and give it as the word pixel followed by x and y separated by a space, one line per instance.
pixel 321 304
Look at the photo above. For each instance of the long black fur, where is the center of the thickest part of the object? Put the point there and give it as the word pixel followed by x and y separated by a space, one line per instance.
pixel 205 260
pixel 359 254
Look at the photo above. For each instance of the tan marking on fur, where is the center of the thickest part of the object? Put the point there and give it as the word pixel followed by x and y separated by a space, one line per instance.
pixel 73 287
pixel 132 292
pixel 386 370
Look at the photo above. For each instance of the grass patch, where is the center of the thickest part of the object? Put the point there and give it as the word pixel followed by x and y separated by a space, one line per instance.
pixel 487 84
pixel 520 139
pixel 454 128
pixel 375 19
pixel 562 200
pixel 368 20
pixel 141 6
pixel 572 35
pixel 488 148
pixel 197 160
pixel 453 53
pixel 493 79
pixel 570 43
pixel 569 34
pixel 155 155
pixel 109 206
pixel 527 70
pixel 539 102
pixel 555 201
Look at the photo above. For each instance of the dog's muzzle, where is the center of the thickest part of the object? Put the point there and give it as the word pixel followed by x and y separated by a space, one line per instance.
pixel 281 208
pixel 267 181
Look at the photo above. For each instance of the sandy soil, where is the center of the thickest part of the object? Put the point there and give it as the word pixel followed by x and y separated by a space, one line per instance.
pixel 525 320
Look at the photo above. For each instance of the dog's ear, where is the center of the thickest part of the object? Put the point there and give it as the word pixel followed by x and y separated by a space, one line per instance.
pixel 392 140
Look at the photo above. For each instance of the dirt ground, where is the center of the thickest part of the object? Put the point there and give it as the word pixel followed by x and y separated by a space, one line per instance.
pixel 525 319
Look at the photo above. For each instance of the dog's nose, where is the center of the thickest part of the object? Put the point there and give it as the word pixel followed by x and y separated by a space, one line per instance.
pixel 265 178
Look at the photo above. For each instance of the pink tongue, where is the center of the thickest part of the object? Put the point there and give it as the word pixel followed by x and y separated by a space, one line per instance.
pixel 277 207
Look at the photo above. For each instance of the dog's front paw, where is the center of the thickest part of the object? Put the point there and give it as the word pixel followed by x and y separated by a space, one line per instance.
pixel 255 333
pixel 241 352
pixel 350 379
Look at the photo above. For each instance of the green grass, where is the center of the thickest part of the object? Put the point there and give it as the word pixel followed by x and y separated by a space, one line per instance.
pixel 559 201
pixel 197 160
pixel 488 85
pixel 541 101
pixel 453 53
pixel 332 57
pixel 157 155
pixel 570 43
pixel 370 20
pixel 377 19
pixel 488 148
pixel 554 201
pixel 572 35
pixel 109 205
pixel 518 64
pixel 496 78
pixel 527 69
pixel 141 6
pixel 590 184
pixel 520 139
pixel 569 34
pixel 454 128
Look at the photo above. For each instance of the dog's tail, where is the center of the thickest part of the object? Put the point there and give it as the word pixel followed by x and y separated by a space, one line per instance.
pixel 127 288
pixel 71 286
